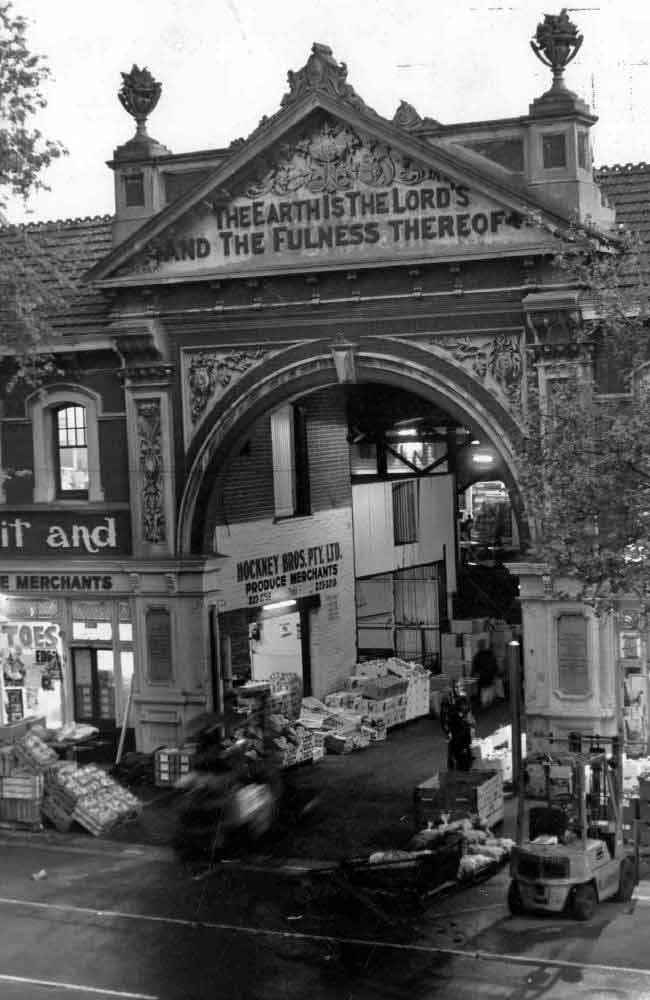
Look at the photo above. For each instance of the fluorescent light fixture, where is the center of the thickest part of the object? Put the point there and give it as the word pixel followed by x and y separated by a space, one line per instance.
pixel 482 458
pixel 475 441
pixel 406 432
pixel 278 604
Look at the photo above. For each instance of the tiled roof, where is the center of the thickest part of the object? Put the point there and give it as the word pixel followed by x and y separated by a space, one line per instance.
pixel 73 245
pixel 628 188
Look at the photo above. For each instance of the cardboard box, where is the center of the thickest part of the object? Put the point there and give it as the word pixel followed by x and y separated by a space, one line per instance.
pixel 451 647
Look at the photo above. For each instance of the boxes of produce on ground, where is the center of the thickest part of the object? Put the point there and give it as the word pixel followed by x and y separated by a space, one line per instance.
pixel 462 794
pixel 57 811
pixel 32 752
pixel 385 687
pixel 22 785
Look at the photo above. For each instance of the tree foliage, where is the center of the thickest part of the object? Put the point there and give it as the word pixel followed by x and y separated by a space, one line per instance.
pixel 32 286
pixel 585 465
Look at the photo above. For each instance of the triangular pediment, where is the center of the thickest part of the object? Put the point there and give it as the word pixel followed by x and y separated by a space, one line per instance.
pixel 327 184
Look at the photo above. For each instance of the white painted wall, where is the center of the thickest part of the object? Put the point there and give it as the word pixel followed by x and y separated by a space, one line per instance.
pixel 375 551
pixel 333 624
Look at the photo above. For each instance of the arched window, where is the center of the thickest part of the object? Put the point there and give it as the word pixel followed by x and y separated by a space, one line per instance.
pixel 71 451
pixel 66 444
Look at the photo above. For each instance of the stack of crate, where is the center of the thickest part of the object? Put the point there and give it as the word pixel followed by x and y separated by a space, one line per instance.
pixel 460 795
pixel 172 763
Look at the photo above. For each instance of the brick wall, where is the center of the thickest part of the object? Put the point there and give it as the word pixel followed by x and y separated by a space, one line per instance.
pixel 329 453
pixel 247 489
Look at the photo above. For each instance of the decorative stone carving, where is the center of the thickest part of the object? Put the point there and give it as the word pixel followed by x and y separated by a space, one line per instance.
pixel 139 95
pixel 211 373
pixel 556 43
pixel 171 582
pixel 322 73
pixel 407 117
pixel 336 158
pixel 135 580
pixel 496 361
pixel 553 325
pixel 149 430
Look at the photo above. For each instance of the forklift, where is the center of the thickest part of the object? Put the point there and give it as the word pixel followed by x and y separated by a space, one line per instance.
pixel 576 855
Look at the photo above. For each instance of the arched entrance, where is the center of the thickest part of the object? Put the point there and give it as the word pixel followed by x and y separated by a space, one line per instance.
pixel 290 579
pixel 291 373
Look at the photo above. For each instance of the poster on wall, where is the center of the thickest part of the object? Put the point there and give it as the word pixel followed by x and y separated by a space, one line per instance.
pixel 31 661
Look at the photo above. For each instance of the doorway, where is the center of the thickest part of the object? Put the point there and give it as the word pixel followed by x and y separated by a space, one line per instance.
pixel 93 677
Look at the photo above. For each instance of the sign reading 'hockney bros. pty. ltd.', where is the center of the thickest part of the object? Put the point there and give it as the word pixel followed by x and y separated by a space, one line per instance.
pixel 333 196
pixel 294 573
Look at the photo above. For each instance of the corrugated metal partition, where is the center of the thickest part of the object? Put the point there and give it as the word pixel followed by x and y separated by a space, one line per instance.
pixel 400 612
pixel 417 621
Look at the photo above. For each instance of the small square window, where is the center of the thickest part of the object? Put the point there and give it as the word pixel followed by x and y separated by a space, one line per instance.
pixel 554 150
pixel 134 190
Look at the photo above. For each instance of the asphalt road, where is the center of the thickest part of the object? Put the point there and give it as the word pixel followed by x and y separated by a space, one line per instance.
pixel 133 924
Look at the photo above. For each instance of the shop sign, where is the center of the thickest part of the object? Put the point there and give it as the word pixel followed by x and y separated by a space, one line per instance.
pixel 65 533
pixel 335 197
pixel 13 583
pixel 294 573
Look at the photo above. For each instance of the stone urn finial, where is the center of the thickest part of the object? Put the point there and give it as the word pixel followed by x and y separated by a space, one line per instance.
pixel 139 95
pixel 556 43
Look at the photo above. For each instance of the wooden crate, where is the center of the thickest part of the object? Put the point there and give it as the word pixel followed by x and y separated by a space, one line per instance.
pixel 21 785
pixel 21 811
pixel 461 794
pixel 8 762
pixel 57 811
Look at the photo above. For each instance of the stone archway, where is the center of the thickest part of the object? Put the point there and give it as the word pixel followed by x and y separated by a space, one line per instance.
pixel 428 372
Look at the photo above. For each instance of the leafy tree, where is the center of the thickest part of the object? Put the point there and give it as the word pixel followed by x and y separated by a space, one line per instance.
pixel 585 465
pixel 32 286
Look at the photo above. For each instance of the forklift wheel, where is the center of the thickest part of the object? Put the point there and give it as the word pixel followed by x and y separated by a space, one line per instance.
pixel 515 902
pixel 584 902
pixel 627 881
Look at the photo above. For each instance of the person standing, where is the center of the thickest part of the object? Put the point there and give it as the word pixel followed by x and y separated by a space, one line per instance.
pixel 458 725
pixel 484 667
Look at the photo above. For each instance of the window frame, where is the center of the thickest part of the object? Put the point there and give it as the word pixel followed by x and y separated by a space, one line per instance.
pixel 290 461
pixel 410 505
pixel 61 493
pixel 42 407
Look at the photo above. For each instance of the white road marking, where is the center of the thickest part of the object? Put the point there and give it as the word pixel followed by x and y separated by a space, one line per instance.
pixel 77 988
pixel 486 956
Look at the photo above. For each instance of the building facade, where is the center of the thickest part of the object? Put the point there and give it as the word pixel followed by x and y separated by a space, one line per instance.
pixel 283 363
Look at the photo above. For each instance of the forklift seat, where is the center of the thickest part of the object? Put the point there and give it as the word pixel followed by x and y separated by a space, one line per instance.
pixel 546 820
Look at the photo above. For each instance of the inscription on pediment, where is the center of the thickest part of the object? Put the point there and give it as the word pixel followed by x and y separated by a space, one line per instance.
pixel 333 196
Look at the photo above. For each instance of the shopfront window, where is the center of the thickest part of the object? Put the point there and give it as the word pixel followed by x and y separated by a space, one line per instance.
pixel 31 671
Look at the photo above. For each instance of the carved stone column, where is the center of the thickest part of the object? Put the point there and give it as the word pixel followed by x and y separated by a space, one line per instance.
pixel 558 340
pixel 147 385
